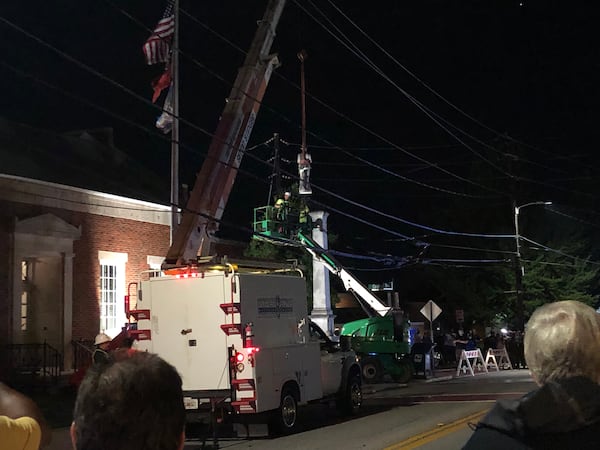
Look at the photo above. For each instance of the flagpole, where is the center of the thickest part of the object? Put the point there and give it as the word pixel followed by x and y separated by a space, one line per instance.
pixel 175 129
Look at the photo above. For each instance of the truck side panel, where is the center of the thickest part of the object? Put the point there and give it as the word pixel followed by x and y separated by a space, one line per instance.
pixel 276 366
pixel 274 347
pixel 185 324
pixel 276 306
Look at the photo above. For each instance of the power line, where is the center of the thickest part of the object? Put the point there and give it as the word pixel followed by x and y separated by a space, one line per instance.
pixel 355 123
pixel 438 95
pixel 548 263
pixel 544 247
pixel 339 212
pixel 427 111
pixel 424 227
pixel 364 58
pixel 258 159
pixel 283 116
pixel 111 81
pixel 555 211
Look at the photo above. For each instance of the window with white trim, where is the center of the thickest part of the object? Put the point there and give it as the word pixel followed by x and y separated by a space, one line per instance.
pixel 108 296
pixel 112 291
pixel 25 280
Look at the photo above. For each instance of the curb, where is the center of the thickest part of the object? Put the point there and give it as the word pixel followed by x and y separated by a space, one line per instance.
pixel 434 380
pixel 373 388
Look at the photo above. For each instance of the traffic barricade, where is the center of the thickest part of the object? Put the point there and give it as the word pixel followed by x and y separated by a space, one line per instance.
pixel 471 360
pixel 498 358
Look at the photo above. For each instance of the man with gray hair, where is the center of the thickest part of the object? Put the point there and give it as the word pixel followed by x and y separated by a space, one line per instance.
pixel 562 351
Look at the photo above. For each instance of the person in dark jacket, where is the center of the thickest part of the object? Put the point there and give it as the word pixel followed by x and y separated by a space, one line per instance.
pixel 562 350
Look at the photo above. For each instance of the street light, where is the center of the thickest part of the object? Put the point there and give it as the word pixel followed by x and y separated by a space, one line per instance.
pixel 519 269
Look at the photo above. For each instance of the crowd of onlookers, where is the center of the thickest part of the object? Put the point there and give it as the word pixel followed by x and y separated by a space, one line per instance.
pixel 451 343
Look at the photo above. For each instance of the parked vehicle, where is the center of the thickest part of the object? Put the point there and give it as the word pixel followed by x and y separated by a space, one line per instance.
pixel 382 345
pixel 243 343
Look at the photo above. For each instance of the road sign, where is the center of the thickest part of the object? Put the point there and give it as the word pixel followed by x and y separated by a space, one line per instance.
pixel 431 310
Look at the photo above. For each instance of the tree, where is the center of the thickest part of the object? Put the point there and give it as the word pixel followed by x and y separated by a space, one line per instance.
pixel 479 291
pixel 551 276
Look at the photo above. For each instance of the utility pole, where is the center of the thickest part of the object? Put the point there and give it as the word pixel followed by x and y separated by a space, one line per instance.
pixel 304 159
pixel 519 269
pixel 276 174
pixel 518 272
pixel 302 55
pixel 175 127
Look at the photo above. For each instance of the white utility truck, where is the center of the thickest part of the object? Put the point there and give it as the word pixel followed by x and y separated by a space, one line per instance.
pixel 243 343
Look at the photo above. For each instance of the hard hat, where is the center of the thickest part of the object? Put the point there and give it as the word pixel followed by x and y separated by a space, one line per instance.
pixel 288 193
pixel 102 338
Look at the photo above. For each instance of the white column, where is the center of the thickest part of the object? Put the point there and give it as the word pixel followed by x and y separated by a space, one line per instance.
pixel 321 313
pixel 68 310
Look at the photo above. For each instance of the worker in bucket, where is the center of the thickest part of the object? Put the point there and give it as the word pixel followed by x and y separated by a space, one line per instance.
pixel 282 205
pixel 101 347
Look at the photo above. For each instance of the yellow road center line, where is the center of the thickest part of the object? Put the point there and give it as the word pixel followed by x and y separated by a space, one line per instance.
pixel 437 433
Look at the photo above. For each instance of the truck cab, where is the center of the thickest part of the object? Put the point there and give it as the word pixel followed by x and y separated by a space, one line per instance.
pixel 338 364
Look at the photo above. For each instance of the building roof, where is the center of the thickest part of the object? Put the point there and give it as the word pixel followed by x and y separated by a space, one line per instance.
pixel 85 159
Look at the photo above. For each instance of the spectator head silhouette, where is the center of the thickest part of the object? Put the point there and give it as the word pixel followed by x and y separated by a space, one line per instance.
pixel 562 340
pixel 133 401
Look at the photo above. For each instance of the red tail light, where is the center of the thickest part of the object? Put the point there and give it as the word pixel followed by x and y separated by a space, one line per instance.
pixel 239 357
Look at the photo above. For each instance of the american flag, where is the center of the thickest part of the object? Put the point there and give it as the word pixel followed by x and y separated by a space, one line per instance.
pixel 158 46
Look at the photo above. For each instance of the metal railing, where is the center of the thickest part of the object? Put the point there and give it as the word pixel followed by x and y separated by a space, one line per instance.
pixel 32 363
pixel 82 353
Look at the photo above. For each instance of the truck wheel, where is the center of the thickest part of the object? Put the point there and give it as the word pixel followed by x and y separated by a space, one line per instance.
pixel 404 373
pixel 284 418
pixel 351 399
pixel 372 371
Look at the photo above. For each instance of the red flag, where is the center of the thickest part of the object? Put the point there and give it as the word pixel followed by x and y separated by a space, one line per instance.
pixel 160 83
pixel 158 46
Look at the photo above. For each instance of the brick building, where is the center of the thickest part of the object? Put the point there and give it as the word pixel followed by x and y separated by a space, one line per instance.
pixel 67 257
pixel 68 248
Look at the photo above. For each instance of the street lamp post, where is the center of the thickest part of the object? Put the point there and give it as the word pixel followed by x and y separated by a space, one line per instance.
pixel 519 269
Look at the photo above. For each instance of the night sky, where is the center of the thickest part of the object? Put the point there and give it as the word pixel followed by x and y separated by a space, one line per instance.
pixel 524 74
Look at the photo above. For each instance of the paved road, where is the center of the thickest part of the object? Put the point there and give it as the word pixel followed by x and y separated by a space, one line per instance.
pixel 425 415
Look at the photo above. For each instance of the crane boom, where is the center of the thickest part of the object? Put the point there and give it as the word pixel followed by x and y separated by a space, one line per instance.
pixel 215 180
